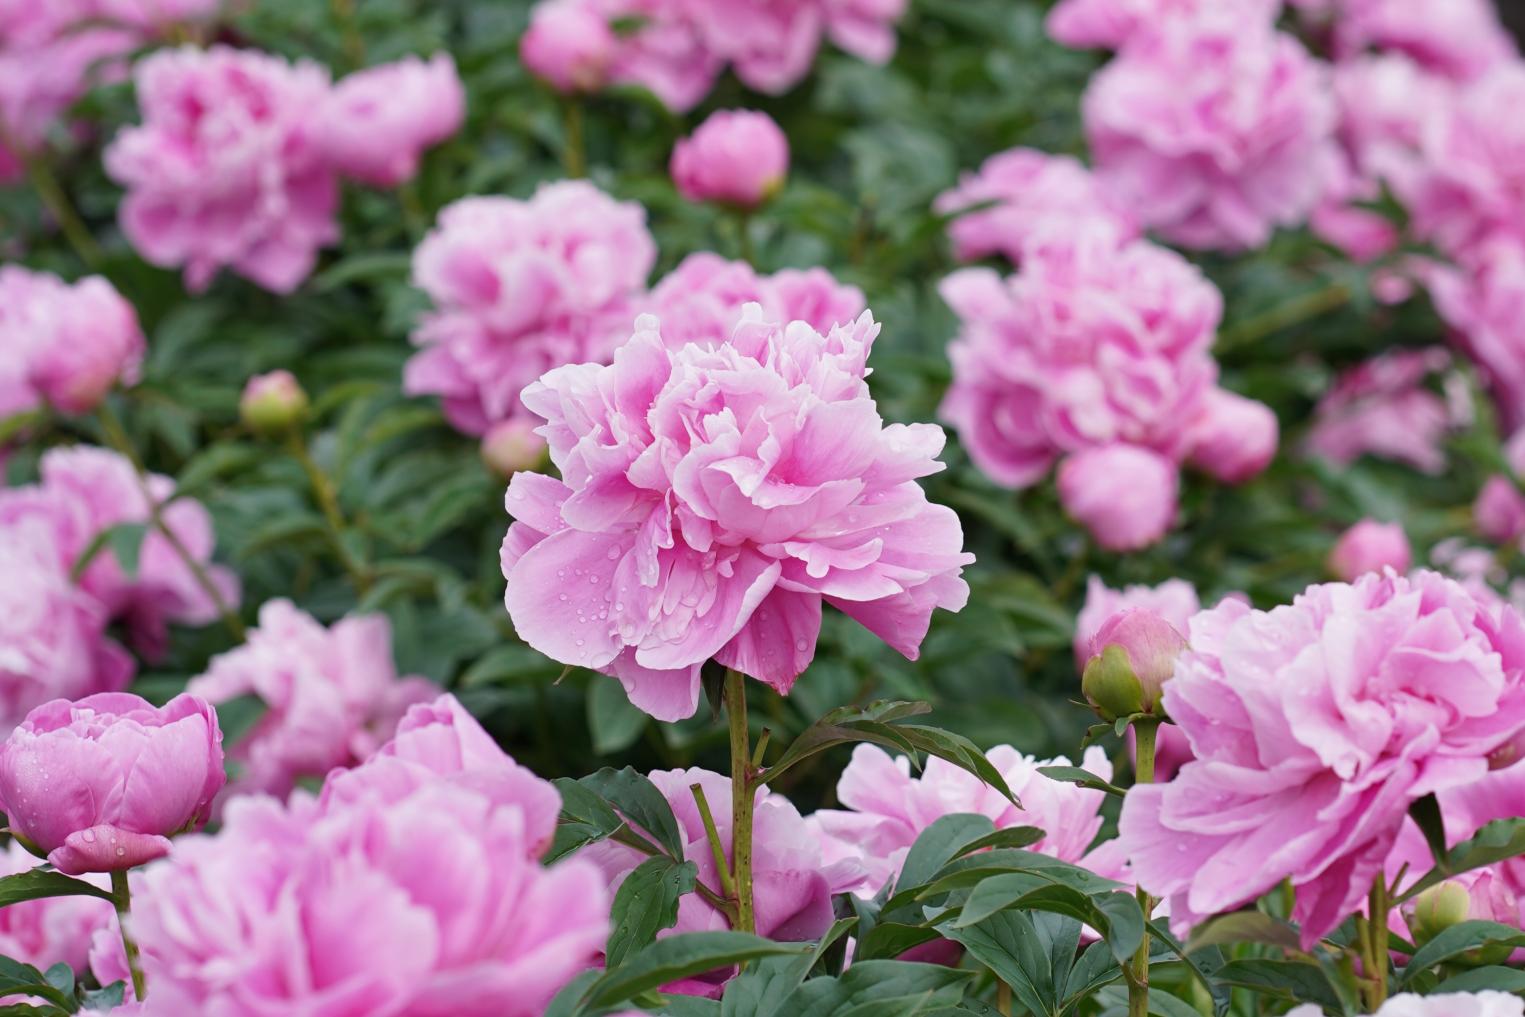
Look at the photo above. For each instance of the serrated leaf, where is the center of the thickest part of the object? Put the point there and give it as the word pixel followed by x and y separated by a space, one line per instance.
pixel 645 904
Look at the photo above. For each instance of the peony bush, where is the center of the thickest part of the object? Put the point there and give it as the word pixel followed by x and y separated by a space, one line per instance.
pixel 719 508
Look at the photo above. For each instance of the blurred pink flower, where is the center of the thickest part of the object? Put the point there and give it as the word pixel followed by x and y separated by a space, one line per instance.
pixel 331 696
pixel 52 930
pixel 227 168
pixel 570 45
pixel 1113 24
pixel 887 808
pixel 1483 300
pixel 712 497
pixel 736 157
pixel 1233 438
pixel 1370 546
pixel 1487 1003
pixel 1214 130
pixel 66 345
pixel 85 491
pixel 512 445
pixel 1036 196
pixel 1125 495
pixel 377 122
pixel 1316 725
pixel 864 28
pixel 1458 38
pixel 1382 408
pixel 101 784
pixel 521 288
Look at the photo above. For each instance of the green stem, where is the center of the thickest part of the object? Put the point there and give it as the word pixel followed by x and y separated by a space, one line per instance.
pixel 121 896
pixel 1137 972
pixel 574 154
pixel 57 202
pixel 117 438
pixel 1003 998
pixel 717 849
pixel 744 236
pixel 354 44
pixel 1295 311
pixel 1376 938
pixel 743 794
pixel 328 502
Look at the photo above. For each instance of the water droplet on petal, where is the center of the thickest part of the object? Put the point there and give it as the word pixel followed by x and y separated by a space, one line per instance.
pixel 614 553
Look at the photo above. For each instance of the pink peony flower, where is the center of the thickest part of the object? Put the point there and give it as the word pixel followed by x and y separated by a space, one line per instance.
pixel 512 445
pixel 52 930
pixel 520 288
pixel 712 496
pixel 1124 495
pixel 85 491
pixel 429 906
pixel 1036 196
pixel 1383 408
pixel 1499 512
pixel 736 157
pixel 701 301
pixel 66 345
pixel 1370 546
pixel 792 883
pixel 864 28
pixel 1457 38
pixel 377 122
pixel 101 784
pixel 570 45
pixel 1315 726
pixel 1215 130
pixel 1233 438
pixel 156 14
pixel 331 696
pixel 1113 24
pixel 1487 1003
pixel 889 808
pixel 1484 303
pixel 227 168
pixel 1174 600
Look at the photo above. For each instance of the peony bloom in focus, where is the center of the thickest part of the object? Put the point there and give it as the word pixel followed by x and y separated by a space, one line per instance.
pixel 736 157
pixel 85 491
pixel 1446 1004
pixel 331 696
pixel 570 45
pixel 1214 130
pixel 712 497
pixel 1370 546
pixel 887 808
pixel 227 168
pixel 1316 725
pixel 1383 408
pixel 520 288
pixel 66 345
pixel 1036 197
pixel 100 785
pixel 377 122
pixel 1113 24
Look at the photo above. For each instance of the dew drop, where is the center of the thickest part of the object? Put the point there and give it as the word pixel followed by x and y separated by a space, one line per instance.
pixel 89 836
pixel 801 645
pixel 614 553
pixel 592 580
pixel 563 596
pixel 121 851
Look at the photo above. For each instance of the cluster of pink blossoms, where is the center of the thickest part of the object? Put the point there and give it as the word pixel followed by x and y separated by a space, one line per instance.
pixel 1098 356
pixel 237 162
pixel 1384 408
pixel 678 48
pixel 53 640
pixel 63 345
pixel 712 496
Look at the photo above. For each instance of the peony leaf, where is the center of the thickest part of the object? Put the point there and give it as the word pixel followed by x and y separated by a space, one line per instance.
pixel 645 904
pixel 1243 927
pixel 1501 839
pixel 883 988
pixel 639 801
pixel 939 844
pixel 677 957
pixel 612 721
pixel 1083 778
pixel 18 979
pixel 1425 813
pixel 38 883
pixel 872 723
pixel 1457 940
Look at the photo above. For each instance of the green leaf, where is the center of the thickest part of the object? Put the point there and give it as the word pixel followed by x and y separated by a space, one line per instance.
pixel 872 723
pixel 676 957
pixel 1243 927
pixel 1124 927
pixel 61 977
pixel 1500 839
pixel 1493 976
pixel 878 988
pixel 104 999
pixel 1457 940
pixel 639 801
pixel 38 883
pixel 612 721
pixel 585 819
pixel 1426 814
pixel 17 979
pixel 1013 946
pixel 238 715
pixel 1084 778
pixel 1284 979
pixel 645 904
pixel 124 540
pixel 946 839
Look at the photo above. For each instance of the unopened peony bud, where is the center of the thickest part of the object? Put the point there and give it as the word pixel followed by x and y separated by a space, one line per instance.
pixel 1370 546
pixel 1132 657
pixel 1123 494
pixel 1437 909
pixel 273 403
pixel 569 46
pixel 1499 512
pixel 1479 895
pixel 511 446
pixel 736 157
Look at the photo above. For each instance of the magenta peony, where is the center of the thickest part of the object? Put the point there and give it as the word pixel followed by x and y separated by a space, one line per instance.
pixel 1113 24
pixel 736 157
pixel 377 123
pixel 331 696
pixel 101 784
pixel 1370 546
pixel 1037 196
pixel 1145 647
pixel 85 491
pixel 227 168
pixel 570 45
pixel 712 497
pixel 1174 600
pixel 1383 408
pixel 887 808
pixel 520 288
pixel 1314 727
pixel 66 345
pixel 1499 512
pixel 1214 130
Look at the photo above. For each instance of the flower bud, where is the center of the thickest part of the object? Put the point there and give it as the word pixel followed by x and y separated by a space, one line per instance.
pixel 1479 895
pixel 272 404
pixel 511 446
pixel 736 157
pixel 569 46
pixel 1437 909
pixel 1132 657
pixel 1370 546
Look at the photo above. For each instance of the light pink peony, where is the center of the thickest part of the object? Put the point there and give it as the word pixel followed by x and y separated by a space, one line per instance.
pixel 1174 600
pixel 1214 130
pixel 701 300
pixel 1370 546
pixel 377 123
pixel 887 808
pixel 1383 408
pixel 429 906
pixel 864 28
pixel 227 168
pixel 1124 495
pixel 1233 438
pixel 1487 1003
pixel 66 344
pixel 1483 300
pixel 1499 512
pixel 53 930
pixel 331 696
pixel 1036 197
pixel 156 14
pixel 101 784
pixel 1113 24
pixel 712 497
pixel 1315 726
pixel 520 288
pixel 570 45
pixel 736 157
pixel 1457 38
pixel 85 491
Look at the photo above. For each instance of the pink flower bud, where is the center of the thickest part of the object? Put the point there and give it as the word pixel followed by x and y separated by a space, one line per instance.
pixel 1234 438
pixel 272 403
pixel 569 46
pixel 1123 494
pixel 1136 644
pixel 1499 512
pixel 1370 546
pixel 101 784
pixel 512 445
pixel 736 157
